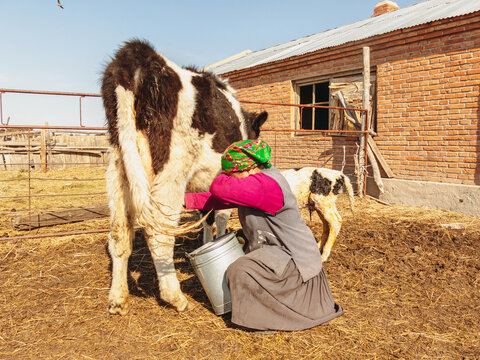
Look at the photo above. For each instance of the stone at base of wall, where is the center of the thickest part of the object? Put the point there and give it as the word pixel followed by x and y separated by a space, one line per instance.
pixel 463 199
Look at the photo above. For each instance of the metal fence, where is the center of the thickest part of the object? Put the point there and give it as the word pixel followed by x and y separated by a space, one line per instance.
pixel 52 184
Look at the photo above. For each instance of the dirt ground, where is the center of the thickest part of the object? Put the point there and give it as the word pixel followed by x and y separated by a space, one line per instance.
pixel 410 289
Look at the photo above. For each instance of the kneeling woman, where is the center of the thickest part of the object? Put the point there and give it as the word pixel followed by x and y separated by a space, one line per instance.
pixel 280 283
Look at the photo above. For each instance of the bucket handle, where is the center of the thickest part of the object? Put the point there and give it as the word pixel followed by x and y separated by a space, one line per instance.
pixel 192 256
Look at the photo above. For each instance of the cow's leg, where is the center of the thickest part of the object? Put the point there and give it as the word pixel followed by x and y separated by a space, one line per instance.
pixel 161 248
pixel 208 227
pixel 334 220
pixel 325 230
pixel 168 198
pixel 207 233
pixel 221 219
pixel 121 233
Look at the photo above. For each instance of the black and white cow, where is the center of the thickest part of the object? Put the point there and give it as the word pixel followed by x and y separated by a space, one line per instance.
pixel 168 127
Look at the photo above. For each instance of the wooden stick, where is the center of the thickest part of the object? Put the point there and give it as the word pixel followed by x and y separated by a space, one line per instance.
pixel 27 222
pixel 43 150
pixel 378 200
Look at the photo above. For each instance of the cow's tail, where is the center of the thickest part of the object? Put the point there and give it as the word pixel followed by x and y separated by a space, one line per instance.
pixel 349 190
pixel 147 208
pixel 127 141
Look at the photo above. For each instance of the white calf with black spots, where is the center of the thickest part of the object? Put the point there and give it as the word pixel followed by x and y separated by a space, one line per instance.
pixel 317 190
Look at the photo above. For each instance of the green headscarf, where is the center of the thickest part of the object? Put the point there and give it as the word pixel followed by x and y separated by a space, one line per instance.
pixel 245 155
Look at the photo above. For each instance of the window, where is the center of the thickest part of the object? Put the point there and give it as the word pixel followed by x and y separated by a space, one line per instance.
pixel 345 91
pixel 314 94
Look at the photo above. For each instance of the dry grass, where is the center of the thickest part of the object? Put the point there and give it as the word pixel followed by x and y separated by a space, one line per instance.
pixel 410 289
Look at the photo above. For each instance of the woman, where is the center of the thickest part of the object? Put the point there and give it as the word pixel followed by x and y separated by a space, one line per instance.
pixel 279 284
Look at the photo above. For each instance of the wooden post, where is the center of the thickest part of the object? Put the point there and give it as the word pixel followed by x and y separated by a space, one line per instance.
pixel 362 156
pixel 366 105
pixel 49 149
pixel 43 150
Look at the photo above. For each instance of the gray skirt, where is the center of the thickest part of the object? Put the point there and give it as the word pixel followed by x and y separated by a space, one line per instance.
pixel 263 300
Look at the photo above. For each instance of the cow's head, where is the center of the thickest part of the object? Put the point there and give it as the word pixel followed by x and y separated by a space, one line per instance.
pixel 253 122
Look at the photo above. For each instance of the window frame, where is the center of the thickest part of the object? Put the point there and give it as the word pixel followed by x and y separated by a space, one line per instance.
pixel 297 84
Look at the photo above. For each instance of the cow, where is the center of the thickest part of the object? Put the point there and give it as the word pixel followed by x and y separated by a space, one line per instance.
pixel 168 127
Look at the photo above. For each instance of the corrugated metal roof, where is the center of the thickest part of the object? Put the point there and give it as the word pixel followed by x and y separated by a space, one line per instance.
pixel 420 13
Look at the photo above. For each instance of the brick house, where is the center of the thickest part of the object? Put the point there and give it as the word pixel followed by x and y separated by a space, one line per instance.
pixel 425 96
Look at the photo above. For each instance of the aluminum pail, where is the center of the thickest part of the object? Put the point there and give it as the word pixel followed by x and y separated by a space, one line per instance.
pixel 210 262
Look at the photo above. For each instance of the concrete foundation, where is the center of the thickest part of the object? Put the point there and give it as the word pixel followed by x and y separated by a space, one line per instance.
pixel 463 199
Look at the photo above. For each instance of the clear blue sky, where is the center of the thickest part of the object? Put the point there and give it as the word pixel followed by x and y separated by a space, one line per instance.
pixel 47 48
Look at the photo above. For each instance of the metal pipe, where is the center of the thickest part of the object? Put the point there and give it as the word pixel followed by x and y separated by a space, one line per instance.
pixel 300 105
pixel 31 127
pixel 66 163
pixel 37 92
pixel 317 131
pixel 19 91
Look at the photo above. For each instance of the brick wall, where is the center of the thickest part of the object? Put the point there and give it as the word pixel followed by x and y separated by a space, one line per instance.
pixel 429 107
pixel 428 89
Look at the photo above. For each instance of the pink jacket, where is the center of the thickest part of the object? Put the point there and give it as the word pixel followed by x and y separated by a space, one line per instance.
pixel 258 191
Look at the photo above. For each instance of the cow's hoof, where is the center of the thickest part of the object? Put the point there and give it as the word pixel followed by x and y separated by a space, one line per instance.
pixel 176 300
pixel 118 309
pixel 183 305
pixel 189 307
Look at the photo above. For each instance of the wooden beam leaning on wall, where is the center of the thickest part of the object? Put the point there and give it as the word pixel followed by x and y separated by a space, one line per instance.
pixel 352 117
pixel 372 145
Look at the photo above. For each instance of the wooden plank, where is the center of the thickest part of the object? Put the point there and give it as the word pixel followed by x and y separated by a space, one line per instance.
pixel 380 157
pixel 16 133
pixel 58 217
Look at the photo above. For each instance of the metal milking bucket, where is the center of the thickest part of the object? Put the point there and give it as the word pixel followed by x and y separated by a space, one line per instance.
pixel 210 263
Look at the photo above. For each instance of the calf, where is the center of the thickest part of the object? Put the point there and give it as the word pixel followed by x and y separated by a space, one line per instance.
pixel 315 189
pixel 168 128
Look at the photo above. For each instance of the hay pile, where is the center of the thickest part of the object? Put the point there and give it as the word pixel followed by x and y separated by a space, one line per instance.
pixel 409 286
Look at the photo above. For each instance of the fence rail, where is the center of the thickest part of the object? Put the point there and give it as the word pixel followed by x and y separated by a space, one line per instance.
pixel 80 96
